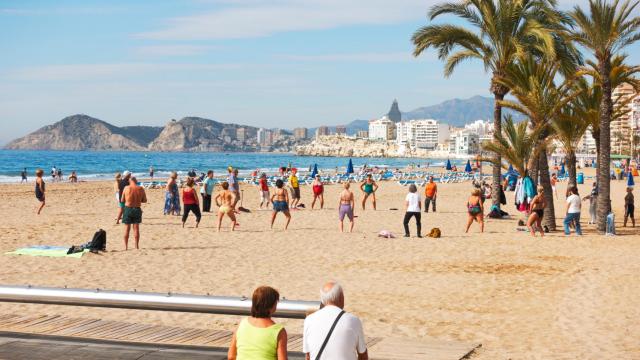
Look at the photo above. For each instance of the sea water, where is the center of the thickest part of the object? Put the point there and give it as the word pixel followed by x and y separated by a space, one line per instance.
pixel 100 165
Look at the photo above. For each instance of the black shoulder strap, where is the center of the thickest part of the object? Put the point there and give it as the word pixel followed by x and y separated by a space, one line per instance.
pixel 326 340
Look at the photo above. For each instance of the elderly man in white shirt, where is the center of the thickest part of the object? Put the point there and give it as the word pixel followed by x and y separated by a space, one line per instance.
pixel 331 333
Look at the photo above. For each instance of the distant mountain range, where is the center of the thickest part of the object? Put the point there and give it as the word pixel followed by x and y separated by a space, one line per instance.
pixel 83 132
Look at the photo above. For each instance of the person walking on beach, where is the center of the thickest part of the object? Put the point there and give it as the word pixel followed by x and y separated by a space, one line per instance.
pixel 123 182
pixel 318 191
pixel 190 201
pixel 538 204
pixel 280 203
pixel 54 173
pixel 133 197
pixel 412 209
pixel 151 172
pixel 593 200
pixel 263 189
pixel 430 194
pixel 475 209
pixel 172 196
pixel 346 207
pixel 23 175
pixel 207 191
pixel 258 337
pixel 369 188
pixel 234 187
pixel 295 188
pixel 40 189
pixel 346 341
pixel 574 206
pixel 629 208
pixel 224 201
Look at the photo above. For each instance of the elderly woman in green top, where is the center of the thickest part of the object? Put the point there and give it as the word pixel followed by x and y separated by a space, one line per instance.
pixel 258 337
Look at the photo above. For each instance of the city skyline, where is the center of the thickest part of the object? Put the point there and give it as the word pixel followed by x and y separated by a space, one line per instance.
pixel 282 63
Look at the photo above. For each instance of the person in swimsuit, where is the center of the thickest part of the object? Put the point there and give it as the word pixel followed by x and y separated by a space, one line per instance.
pixel 225 200
pixel 346 206
pixel 40 189
pixel 475 209
pixel 23 174
pixel 172 196
pixel 151 172
pixel 116 190
pixel 369 188
pixel 263 188
pixel 554 181
pixel 538 204
pixel 629 207
pixel 318 191
pixel 133 196
pixel 190 201
pixel 280 201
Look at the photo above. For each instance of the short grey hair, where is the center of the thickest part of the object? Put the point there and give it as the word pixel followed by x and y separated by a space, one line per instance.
pixel 333 295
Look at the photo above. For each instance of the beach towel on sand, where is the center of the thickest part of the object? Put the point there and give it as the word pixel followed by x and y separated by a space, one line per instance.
pixel 45 250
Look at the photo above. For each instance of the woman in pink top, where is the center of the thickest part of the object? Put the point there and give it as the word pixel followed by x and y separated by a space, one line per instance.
pixel 190 201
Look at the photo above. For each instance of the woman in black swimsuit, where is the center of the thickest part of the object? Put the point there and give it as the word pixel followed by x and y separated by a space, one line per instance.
pixel 538 204
pixel 40 189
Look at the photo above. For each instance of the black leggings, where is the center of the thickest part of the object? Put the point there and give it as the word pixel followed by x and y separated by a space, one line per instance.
pixel 407 217
pixel 191 207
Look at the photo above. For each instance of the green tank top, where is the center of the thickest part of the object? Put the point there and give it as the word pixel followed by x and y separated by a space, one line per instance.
pixel 254 343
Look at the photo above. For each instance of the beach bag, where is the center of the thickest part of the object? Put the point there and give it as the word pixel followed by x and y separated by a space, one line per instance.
pixel 99 241
pixel 435 233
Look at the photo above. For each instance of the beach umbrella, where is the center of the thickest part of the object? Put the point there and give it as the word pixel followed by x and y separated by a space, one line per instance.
pixel 630 179
pixel 468 167
pixel 448 164
pixel 315 170
pixel 562 169
pixel 510 170
pixel 350 167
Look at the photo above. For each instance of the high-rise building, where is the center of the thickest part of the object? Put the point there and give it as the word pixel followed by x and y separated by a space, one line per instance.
pixel 423 134
pixel 341 130
pixel 241 134
pixel 464 143
pixel 322 131
pixel 621 127
pixel 362 134
pixel 265 137
pixel 382 129
pixel 394 113
pixel 300 133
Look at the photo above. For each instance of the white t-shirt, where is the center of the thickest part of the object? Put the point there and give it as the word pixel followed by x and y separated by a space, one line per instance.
pixel 414 202
pixel 347 339
pixel 574 203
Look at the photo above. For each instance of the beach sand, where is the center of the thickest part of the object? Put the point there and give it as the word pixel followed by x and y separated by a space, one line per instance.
pixel 555 297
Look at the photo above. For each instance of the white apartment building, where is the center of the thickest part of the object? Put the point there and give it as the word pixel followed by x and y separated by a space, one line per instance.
pixel 621 128
pixel 382 129
pixel 464 143
pixel 265 136
pixel 423 134
pixel 483 128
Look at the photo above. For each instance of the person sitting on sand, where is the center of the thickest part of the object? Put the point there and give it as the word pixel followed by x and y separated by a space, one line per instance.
pixel 347 341
pixel 369 187
pixel 73 178
pixel 346 206
pixel 538 204
pixel 133 196
pixel 225 200
pixel 295 188
pixel 318 191
pixel 263 189
pixel 40 189
pixel 258 337
pixel 475 209
pixel 172 196
pixel 412 209
pixel 280 202
pixel 191 202
pixel 629 207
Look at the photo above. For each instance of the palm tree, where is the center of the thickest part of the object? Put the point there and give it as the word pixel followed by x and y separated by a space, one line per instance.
pixel 515 144
pixel 569 128
pixel 533 85
pixel 503 31
pixel 605 31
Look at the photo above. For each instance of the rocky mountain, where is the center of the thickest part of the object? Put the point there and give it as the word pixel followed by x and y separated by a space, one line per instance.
pixel 458 112
pixel 195 134
pixel 82 132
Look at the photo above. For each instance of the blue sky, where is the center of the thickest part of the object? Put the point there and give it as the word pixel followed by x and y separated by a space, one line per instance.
pixel 276 63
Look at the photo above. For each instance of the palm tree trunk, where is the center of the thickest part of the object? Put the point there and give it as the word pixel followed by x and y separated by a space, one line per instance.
pixel 604 157
pixel 545 180
pixel 497 130
pixel 571 167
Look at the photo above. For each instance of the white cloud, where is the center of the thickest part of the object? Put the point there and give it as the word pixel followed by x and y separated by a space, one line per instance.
pixel 354 57
pixel 172 50
pixel 95 71
pixel 248 19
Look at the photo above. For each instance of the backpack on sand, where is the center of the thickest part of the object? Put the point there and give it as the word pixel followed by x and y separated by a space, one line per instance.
pixel 99 241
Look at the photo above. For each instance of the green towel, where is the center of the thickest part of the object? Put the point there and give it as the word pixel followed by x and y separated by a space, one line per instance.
pixel 46 252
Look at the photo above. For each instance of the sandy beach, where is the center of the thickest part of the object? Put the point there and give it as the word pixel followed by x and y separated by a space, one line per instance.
pixel 555 297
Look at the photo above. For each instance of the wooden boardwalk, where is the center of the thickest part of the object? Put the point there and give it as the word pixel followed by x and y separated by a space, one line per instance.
pixel 60 326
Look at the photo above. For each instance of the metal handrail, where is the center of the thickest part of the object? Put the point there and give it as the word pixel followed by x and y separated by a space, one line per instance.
pixel 225 305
